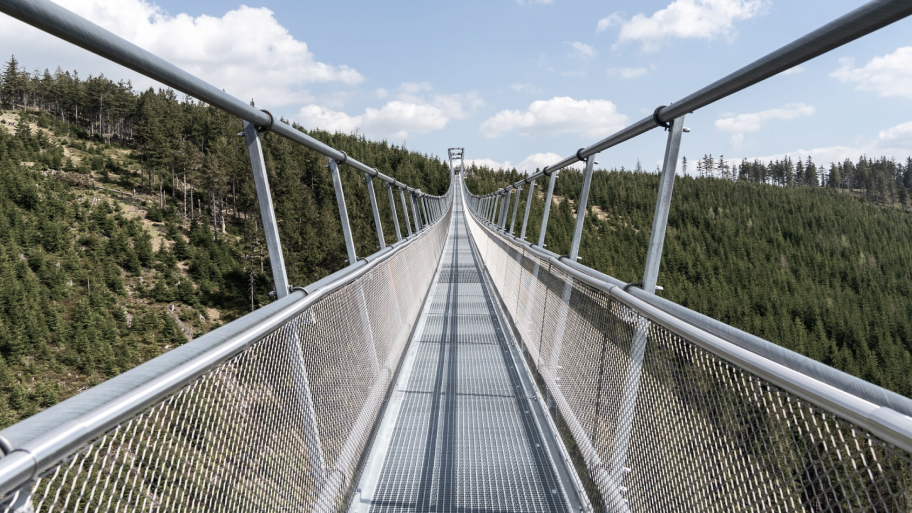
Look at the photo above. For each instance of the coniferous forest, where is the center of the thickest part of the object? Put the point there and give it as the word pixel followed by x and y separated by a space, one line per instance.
pixel 129 224
pixel 824 269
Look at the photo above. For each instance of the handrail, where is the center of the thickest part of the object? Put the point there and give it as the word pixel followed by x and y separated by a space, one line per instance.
pixel 887 423
pixel 862 21
pixel 764 348
pixel 53 19
pixel 44 438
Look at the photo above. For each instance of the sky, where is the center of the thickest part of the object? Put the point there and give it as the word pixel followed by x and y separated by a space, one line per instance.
pixel 521 83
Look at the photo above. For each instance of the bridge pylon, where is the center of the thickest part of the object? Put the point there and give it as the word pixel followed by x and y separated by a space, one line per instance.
pixel 456 154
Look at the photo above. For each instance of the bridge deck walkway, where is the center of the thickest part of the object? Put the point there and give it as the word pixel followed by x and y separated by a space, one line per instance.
pixel 464 430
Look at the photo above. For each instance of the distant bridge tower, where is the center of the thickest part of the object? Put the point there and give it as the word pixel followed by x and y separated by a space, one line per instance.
pixel 456 153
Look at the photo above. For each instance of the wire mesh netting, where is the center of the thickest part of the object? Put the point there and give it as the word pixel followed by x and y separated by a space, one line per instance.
pixel 665 425
pixel 247 436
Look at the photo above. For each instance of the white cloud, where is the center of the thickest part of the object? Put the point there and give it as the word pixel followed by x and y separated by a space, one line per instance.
pixel 559 115
pixel 628 73
pixel 890 75
pixel 489 163
pixel 381 93
pixel 740 124
pixel 700 19
pixel 607 22
pixel 900 136
pixel 406 115
pixel 528 88
pixel 246 50
pixel 582 50
pixel 532 2
pixel 528 164
pixel 396 120
pixel 540 160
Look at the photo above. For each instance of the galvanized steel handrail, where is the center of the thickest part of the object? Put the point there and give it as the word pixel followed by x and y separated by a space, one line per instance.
pixel 883 421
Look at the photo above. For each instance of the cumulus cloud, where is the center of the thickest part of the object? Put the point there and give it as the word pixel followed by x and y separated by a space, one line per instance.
pixel 395 120
pixel 890 75
pixel 406 115
pixel 557 116
pixel 527 165
pixel 740 124
pixel 582 50
pixel 897 136
pixel 698 19
pixel 246 50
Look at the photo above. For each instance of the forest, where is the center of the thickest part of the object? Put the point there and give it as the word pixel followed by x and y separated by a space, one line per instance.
pixel 129 224
pixel 823 270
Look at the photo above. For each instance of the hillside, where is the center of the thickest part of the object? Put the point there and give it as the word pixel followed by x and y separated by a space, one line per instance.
pixel 129 227
pixel 813 269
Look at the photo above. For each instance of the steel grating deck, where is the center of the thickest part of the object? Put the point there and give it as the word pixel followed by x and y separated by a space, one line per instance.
pixel 461 432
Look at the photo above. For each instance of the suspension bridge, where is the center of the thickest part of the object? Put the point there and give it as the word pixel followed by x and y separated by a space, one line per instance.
pixel 464 368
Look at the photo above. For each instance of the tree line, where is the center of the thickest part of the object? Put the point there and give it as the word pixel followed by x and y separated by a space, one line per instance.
pixel 881 180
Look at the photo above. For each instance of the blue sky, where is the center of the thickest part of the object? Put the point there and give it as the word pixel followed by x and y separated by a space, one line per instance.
pixel 523 83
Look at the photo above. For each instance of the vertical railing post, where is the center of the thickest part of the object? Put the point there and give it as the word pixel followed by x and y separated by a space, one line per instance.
pixel 295 355
pixel 415 214
pixel 405 209
pixel 547 212
pixel 267 213
pixel 389 192
pixel 627 407
pixel 663 205
pixel 343 212
pixel 376 210
pixel 495 198
pixel 515 208
pixel 581 210
pixel 506 209
pixel 522 234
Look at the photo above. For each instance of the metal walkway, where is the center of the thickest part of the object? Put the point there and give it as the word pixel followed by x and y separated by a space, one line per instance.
pixel 464 430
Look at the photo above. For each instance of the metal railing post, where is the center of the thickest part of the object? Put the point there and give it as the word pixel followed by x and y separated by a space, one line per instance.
pixel 415 214
pixel 547 212
pixel 376 209
pixel 522 234
pixel 494 200
pixel 392 200
pixel 343 211
pixel 515 209
pixel 631 391
pixel 581 209
pixel 408 222
pixel 505 210
pixel 663 205
pixel 267 213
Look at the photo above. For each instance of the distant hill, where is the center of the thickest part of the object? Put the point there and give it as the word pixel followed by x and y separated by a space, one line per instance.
pixel 816 270
pixel 130 225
